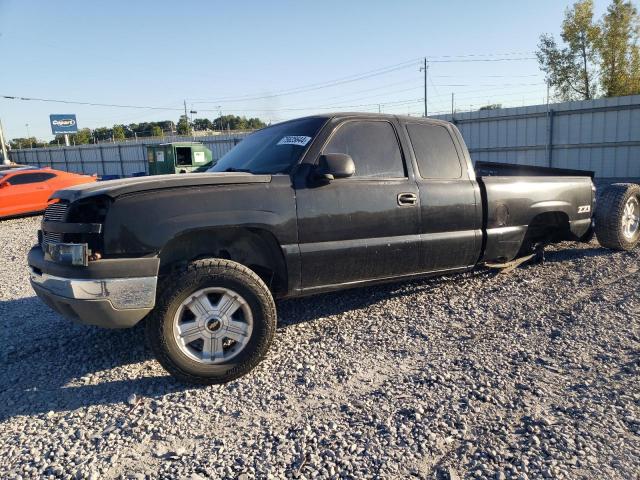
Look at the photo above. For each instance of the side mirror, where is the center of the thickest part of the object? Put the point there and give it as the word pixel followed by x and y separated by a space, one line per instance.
pixel 335 165
pixel 4 185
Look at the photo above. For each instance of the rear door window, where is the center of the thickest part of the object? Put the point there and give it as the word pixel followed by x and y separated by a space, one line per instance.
pixel 372 145
pixel 435 151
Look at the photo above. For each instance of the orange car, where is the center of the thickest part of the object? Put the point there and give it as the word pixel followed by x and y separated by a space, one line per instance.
pixel 27 190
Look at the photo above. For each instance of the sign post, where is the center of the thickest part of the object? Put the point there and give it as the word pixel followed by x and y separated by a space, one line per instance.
pixel 5 156
pixel 63 124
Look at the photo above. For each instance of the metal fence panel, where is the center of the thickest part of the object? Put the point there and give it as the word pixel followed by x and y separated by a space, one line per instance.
pixel 601 135
pixel 122 159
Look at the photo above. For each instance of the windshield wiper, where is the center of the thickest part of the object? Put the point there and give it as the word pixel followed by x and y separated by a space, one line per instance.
pixel 232 169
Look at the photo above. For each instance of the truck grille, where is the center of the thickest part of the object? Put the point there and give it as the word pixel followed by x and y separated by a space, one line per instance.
pixel 56 212
pixel 48 237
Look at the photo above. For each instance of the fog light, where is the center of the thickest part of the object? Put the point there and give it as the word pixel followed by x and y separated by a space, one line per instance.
pixel 68 253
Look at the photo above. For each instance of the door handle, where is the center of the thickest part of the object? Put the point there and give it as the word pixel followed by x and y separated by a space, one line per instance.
pixel 407 199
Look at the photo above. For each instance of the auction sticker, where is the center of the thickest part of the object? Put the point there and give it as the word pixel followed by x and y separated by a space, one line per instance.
pixel 299 140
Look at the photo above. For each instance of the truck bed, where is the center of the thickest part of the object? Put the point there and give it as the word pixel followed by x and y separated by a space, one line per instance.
pixel 520 210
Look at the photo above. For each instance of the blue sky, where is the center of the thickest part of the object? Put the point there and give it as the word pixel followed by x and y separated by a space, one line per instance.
pixel 222 56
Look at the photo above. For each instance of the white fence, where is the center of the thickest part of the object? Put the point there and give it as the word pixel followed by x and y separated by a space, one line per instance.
pixel 601 135
pixel 121 159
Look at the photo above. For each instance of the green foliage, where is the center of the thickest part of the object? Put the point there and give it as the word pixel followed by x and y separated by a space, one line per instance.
pixel 619 50
pixel 571 70
pixel 103 133
pixel 119 132
pixel 200 124
pixel 143 129
pixel 235 122
pixel 83 137
pixel 597 57
pixel 184 127
pixel 493 106
pixel 31 142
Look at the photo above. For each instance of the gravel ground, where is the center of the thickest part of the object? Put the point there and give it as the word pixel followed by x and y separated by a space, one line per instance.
pixel 532 374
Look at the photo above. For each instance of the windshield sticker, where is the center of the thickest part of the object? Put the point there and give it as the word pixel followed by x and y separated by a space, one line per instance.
pixel 299 140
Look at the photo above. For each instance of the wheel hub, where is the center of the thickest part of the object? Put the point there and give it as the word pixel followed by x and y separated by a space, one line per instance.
pixel 214 324
pixel 631 218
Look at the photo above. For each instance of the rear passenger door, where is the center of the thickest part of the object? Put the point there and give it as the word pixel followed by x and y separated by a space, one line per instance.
pixel 451 215
pixel 366 226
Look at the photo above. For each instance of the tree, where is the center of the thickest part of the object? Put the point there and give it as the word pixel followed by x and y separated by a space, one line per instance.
pixel 255 123
pixel 234 122
pixel 493 106
pixel 119 132
pixel 571 70
pixel 31 142
pixel 620 58
pixel 156 131
pixel 103 133
pixel 202 124
pixel 83 137
pixel 184 128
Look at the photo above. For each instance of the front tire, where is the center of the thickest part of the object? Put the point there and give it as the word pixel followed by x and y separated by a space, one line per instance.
pixel 213 322
pixel 617 216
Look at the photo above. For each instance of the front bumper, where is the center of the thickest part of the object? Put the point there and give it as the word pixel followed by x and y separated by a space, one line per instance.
pixel 92 295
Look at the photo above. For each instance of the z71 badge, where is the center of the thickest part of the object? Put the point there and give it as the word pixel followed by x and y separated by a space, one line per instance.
pixel 584 208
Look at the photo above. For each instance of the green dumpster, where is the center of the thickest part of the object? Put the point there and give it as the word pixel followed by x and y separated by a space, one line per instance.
pixel 177 157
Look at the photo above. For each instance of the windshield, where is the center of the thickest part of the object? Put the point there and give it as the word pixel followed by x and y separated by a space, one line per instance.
pixel 271 150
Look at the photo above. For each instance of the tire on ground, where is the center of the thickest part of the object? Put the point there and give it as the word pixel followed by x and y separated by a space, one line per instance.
pixel 177 287
pixel 616 210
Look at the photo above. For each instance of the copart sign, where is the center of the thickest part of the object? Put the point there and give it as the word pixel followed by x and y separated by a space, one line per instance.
pixel 63 123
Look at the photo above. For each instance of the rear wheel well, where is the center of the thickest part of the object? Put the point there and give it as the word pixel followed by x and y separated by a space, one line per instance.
pixel 256 249
pixel 545 228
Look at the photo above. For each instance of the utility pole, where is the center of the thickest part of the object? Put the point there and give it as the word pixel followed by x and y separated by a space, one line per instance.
pixel 29 135
pixel 452 103
pixel 548 87
pixel 5 156
pixel 186 117
pixel 425 69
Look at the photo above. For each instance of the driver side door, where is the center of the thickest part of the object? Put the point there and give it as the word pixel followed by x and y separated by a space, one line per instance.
pixel 364 227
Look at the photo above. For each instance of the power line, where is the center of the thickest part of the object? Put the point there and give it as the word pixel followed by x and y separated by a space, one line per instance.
pixel 370 74
pixel 487 84
pixel 488 76
pixel 91 104
pixel 484 60
pixel 403 82
pixel 316 86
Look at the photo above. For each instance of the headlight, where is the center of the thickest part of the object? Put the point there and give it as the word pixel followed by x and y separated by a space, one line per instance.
pixel 67 253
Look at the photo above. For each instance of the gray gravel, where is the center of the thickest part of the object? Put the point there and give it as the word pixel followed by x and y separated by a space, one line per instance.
pixel 528 375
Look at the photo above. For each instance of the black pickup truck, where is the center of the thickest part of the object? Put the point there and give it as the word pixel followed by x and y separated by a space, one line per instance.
pixel 315 204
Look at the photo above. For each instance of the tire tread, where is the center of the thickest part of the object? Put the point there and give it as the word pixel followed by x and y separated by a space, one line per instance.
pixel 608 215
pixel 207 269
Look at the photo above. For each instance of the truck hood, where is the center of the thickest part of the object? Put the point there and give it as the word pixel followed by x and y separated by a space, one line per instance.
pixel 115 188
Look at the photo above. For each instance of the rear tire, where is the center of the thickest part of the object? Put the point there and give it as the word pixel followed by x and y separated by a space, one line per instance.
pixel 617 216
pixel 213 322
